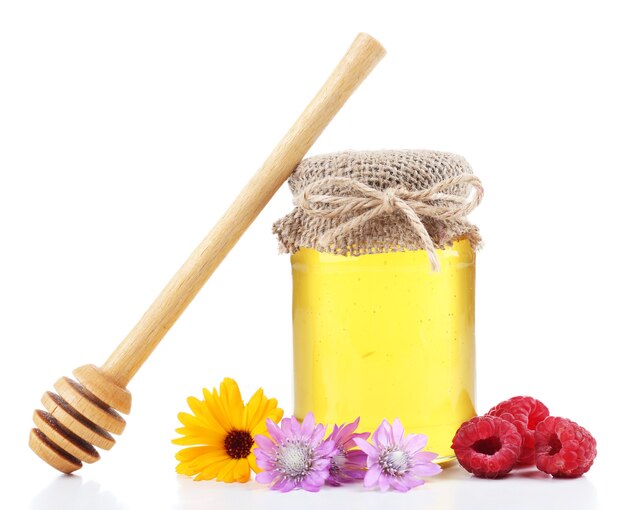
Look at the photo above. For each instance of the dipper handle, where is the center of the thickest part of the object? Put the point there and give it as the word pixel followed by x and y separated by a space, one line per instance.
pixel 362 56
pixel 84 414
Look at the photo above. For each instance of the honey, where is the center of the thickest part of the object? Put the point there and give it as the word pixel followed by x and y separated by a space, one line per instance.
pixel 383 336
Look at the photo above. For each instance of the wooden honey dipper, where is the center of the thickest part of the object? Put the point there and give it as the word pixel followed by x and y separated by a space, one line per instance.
pixel 83 415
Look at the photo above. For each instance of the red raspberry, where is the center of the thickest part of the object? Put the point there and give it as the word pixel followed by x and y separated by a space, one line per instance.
pixel 564 449
pixel 525 413
pixel 487 446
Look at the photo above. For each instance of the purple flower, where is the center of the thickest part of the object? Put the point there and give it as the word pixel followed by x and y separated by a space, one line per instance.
pixel 395 459
pixel 296 455
pixel 348 464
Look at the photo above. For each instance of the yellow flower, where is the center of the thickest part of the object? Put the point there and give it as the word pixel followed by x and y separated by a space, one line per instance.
pixel 222 431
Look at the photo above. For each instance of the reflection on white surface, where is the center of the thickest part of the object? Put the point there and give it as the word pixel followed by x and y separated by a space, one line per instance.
pixel 72 493
pixel 453 489
pixel 526 488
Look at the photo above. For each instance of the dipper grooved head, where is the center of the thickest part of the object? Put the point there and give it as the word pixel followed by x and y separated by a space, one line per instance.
pixel 82 415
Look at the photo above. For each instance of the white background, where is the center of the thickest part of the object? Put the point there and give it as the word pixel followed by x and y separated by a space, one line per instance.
pixel 126 128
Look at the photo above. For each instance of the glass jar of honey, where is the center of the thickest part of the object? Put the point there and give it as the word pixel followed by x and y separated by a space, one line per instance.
pixel 377 333
pixel 382 336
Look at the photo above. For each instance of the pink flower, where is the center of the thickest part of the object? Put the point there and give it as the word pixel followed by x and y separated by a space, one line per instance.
pixel 296 455
pixel 395 460
pixel 348 464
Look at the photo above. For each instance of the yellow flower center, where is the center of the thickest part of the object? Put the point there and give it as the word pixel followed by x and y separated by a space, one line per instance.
pixel 238 444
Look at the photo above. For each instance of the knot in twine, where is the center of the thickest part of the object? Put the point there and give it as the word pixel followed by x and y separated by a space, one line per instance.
pixel 352 203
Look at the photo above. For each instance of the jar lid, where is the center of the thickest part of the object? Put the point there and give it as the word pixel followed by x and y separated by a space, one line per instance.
pixel 378 201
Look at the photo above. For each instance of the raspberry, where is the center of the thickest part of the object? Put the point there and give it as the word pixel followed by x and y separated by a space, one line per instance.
pixel 525 413
pixel 564 449
pixel 487 446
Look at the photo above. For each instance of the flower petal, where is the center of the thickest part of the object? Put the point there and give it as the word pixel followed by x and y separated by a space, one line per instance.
pixel 356 458
pixel 309 486
pixel 225 474
pixel 327 448
pixel 316 477
pixel 397 483
pixel 322 465
pixel 285 427
pixel 351 427
pixel 202 421
pixel 200 462
pixel 424 457
pixel 383 483
pixel 273 430
pixel 266 476
pixel 231 402
pixel 369 450
pixel 288 485
pixel 429 469
pixel 342 434
pixel 372 476
pixel 382 435
pixel 318 434
pixel 261 427
pixel 333 481
pixel 187 454
pixel 414 442
pixel 263 455
pixel 265 443
pixel 252 461
pixel 349 443
pixel 241 473
pixel 354 474
pixel 211 470
pixel 397 431
pixel 255 410
pixel 279 483
pixel 307 425
pixel 412 482
pixel 265 465
pixel 216 410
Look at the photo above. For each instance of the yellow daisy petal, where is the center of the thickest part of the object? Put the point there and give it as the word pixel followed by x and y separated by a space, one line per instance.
pixel 184 469
pixel 213 404
pixel 206 420
pixel 230 389
pixel 202 432
pixel 208 440
pixel 261 428
pixel 225 474
pixel 197 407
pixel 259 409
pixel 252 409
pixel 256 409
pixel 202 416
pixel 275 413
pixel 241 473
pixel 187 454
pixel 252 462
pixel 232 403
pixel 203 461
pixel 210 471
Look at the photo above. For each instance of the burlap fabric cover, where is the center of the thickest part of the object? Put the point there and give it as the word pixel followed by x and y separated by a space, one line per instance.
pixel 371 202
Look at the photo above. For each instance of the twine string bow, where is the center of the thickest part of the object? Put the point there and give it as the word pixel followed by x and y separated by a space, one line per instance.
pixel 353 203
